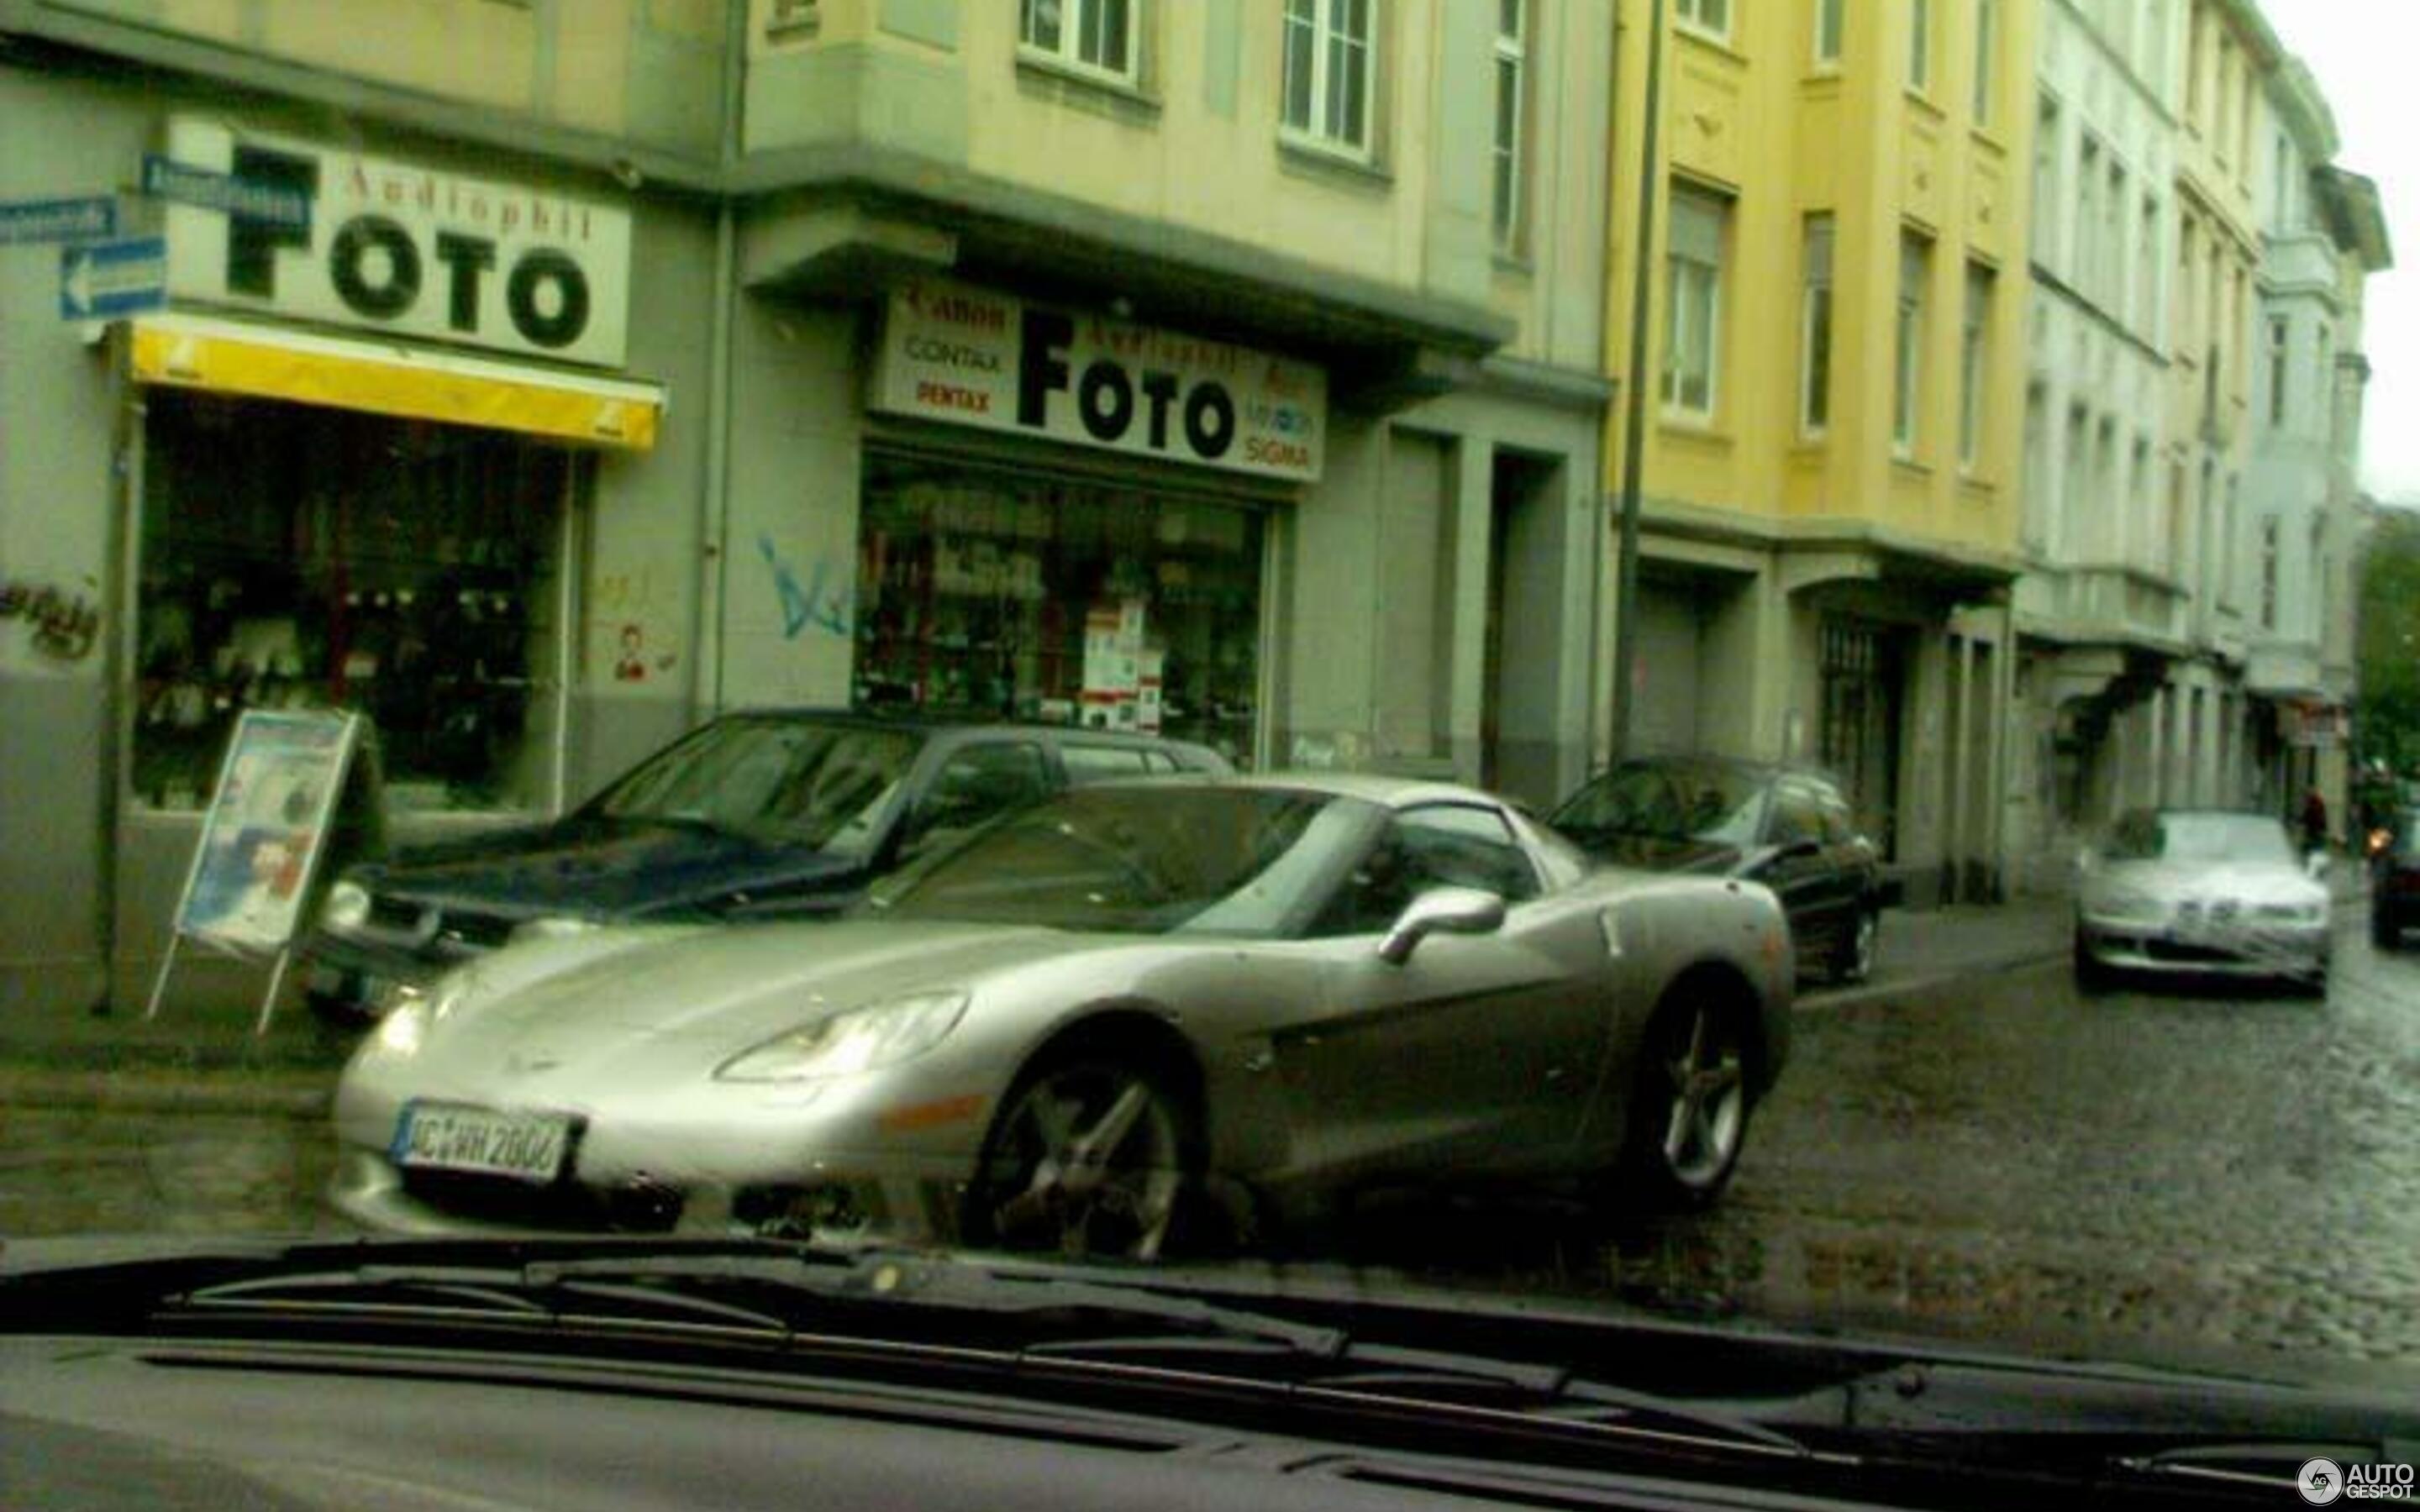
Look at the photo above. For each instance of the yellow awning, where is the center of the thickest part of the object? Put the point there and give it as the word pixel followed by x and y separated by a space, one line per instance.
pixel 410 382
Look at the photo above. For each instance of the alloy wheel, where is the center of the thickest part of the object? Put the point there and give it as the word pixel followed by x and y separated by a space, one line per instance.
pixel 1705 1110
pixel 1089 1160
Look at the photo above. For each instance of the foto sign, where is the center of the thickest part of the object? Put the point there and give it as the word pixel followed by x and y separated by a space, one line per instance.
pixel 396 247
pixel 970 357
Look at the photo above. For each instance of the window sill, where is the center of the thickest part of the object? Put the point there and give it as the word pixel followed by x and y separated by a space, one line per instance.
pixel 1821 76
pixel 1516 263
pixel 1712 41
pixel 1987 135
pixel 1909 463
pixel 1317 158
pixel 1925 106
pixel 1072 84
pixel 1695 429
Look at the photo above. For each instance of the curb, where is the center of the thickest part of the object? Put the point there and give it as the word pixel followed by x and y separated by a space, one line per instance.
pixel 86 1092
pixel 1878 991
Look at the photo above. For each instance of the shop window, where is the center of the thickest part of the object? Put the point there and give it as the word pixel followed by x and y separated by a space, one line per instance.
pixel 992 592
pixel 308 557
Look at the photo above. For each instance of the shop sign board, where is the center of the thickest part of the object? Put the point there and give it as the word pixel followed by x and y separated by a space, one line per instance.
pixel 402 248
pixel 2315 726
pixel 265 828
pixel 106 280
pixel 91 218
pixel 971 357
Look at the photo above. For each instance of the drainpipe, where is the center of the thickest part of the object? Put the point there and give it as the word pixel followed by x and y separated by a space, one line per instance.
pixel 714 522
pixel 1626 608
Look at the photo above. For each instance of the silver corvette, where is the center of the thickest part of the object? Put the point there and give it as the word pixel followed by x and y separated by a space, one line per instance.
pixel 1113 1023
pixel 2204 891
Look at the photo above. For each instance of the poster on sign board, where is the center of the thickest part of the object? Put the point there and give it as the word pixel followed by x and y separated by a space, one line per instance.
pixel 265 829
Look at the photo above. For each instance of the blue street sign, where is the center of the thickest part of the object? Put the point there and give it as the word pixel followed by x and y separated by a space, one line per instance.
pixel 110 279
pixel 269 204
pixel 90 219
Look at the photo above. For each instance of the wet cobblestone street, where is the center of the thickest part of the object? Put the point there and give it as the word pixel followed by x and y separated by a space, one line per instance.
pixel 2005 1159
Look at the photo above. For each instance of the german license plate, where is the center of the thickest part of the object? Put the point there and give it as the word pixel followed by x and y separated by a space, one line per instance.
pixel 443 1137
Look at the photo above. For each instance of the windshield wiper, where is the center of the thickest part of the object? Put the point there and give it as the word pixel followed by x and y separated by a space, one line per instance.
pixel 904 1307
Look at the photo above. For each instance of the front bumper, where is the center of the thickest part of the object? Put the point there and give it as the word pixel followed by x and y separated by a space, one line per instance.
pixel 2251 948
pixel 365 978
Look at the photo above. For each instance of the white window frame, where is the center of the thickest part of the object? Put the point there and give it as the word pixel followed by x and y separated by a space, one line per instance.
pixel 1973 364
pixel 1328 22
pixel 1707 18
pixel 1831 22
pixel 1907 344
pixel 1818 251
pixel 1686 262
pixel 1078 19
pixel 1508 208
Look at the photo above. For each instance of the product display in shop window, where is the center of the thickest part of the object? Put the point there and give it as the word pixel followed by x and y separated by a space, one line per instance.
pixel 1009 594
pixel 299 559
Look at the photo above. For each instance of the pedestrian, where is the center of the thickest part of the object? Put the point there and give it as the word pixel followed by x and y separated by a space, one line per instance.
pixel 2314 822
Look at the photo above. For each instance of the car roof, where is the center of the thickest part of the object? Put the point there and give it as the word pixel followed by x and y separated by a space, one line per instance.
pixel 929 722
pixel 1745 765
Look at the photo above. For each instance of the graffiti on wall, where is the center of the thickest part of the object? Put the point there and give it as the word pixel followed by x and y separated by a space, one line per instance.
pixel 828 601
pixel 67 624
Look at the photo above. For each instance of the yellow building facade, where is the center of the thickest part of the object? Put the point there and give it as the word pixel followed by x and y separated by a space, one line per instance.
pixel 1830 508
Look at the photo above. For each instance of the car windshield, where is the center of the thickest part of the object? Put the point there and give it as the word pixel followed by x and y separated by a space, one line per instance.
pixel 1749 660
pixel 1696 801
pixel 2209 837
pixel 789 781
pixel 1141 859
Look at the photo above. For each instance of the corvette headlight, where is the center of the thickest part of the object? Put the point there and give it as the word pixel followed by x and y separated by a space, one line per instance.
pixel 405 1028
pixel 861 1039
pixel 348 907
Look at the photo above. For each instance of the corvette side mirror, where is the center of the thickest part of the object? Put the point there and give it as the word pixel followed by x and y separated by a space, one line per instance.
pixel 1441 910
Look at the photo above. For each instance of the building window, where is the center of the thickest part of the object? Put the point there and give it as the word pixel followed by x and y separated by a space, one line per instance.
pixel 1712 16
pixel 300 556
pixel 1974 365
pixel 2193 67
pixel 2323 356
pixel 1511 71
pixel 1827 32
pixel 1815 330
pixel 2147 266
pixel 1330 48
pixel 2280 332
pixel 2045 208
pixel 1692 302
pixel 1919 46
pixel 1987 41
pixel 1091 33
pixel 1915 272
pixel 2111 275
pixel 2084 271
pixel 2269 571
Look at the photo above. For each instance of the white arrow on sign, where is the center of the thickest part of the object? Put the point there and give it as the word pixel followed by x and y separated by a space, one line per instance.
pixel 79 282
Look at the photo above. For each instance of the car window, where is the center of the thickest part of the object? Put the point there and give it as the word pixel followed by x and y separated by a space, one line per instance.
pixel 978 783
pixel 788 779
pixel 1796 817
pixel 1102 763
pixel 1839 828
pixel 1443 845
pixel 1665 800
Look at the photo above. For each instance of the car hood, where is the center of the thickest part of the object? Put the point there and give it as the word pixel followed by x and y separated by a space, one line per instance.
pixel 600 868
pixel 670 998
pixel 2255 883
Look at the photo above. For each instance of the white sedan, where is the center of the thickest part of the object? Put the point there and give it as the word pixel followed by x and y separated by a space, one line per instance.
pixel 2205 891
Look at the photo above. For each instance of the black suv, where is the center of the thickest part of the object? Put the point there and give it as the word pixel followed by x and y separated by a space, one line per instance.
pixel 1786 826
pixel 754 815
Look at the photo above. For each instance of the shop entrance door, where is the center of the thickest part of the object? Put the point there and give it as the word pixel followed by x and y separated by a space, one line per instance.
pixel 1862 682
pixel 1519 747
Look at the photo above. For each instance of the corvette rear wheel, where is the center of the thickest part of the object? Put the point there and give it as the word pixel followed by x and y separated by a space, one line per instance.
pixel 1090 1157
pixel 1689 1108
